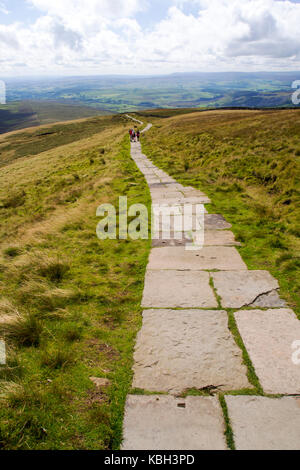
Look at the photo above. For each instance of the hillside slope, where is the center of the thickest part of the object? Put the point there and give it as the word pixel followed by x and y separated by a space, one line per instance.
pixel 248 163
pixel 23 114
pixel 69 303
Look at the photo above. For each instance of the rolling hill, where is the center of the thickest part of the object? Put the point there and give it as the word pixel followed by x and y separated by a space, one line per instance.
pixel 23 114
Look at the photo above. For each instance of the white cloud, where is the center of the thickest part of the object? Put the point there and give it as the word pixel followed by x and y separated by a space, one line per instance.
pixel 67 9
pixel 104 36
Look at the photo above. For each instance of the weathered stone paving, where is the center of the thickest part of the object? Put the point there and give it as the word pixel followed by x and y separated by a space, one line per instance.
pixel 209 258
pixel 241 289
pixel 182 349
pixel 261 423
pixel 185 341
pixel 170 423
pixel 268 336
pixel 178 289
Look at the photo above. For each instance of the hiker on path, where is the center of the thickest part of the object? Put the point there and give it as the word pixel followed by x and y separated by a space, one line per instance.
pixel 133 135
pixel 138 135
pixel 130 133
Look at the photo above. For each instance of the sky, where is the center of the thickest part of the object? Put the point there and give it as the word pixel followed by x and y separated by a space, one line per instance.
pixel 138 37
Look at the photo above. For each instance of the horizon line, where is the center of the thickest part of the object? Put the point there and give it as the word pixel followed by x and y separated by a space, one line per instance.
pixel 129 75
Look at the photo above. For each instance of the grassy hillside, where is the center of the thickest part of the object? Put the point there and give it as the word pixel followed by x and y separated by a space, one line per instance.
pixel 248 163
pixel 69 303
pixel 34 141
pixel 20 115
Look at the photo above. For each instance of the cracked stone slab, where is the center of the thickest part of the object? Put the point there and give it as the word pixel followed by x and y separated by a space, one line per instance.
pixel 159 422
pixel 268 336
pixel 247 288
pixel 216 222
pixel 208 258
pixel 178 289
pixel 270 299
pixel 261 423
pixel 181 349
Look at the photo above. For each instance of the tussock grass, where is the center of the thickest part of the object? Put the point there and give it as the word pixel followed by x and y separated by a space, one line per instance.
pixel 12 251
pixel 22 329
pixel 9 389
pixel 52 269
pixel 58 359
pixel 13 369
pixel 40 265
pixel 14 200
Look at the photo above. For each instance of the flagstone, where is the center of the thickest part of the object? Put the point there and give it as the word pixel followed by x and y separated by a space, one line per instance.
pixel 269 336
pixel 181 349
pixel 219 237
pixel 178 289
pixel 215 222
pixel 208 258
pixel 240 289
pixel 159 422
pixel 261 423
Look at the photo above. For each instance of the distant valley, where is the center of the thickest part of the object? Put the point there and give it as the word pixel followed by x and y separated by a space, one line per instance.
pixel 45 100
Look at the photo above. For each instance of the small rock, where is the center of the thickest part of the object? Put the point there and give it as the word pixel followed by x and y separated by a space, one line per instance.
pixel 100 382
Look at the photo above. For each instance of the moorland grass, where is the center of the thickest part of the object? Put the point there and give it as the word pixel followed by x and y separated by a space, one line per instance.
pixel 40 139
pixel 70 303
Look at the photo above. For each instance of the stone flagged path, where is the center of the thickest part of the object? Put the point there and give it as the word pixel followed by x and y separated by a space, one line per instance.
pixel 185 341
